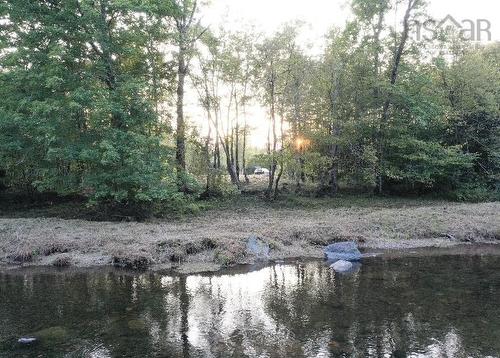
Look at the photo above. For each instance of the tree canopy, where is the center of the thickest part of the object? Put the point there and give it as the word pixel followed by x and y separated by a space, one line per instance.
pixel 89 90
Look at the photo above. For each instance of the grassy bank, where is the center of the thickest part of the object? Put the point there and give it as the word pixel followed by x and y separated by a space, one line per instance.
pixel 216 237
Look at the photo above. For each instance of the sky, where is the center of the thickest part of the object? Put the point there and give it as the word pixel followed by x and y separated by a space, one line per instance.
pixel 320 15
pixel 268 15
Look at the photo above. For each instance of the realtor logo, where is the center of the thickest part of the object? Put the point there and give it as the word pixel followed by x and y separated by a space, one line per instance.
pixel 471 30
pixel 449 21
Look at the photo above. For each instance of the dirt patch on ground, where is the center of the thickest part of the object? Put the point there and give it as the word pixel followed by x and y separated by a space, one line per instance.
pixel 218 238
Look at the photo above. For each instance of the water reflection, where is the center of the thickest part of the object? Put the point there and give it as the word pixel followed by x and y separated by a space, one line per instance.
pixel 408 307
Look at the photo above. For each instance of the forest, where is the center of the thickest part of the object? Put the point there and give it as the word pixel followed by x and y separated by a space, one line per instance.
pixel 96 103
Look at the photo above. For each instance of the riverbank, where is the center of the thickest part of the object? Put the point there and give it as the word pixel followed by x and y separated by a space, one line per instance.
pixel 217 238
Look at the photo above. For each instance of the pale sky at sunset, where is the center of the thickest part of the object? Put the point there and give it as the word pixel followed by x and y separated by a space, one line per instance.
pixel 320 16
pixel 268 15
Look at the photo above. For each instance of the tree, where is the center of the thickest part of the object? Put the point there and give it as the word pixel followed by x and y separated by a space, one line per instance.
pixel 412 5
pixel 273 67
pixel 220 71
pixel 470 90
pixel 87 85
pixel 188 32
pixel 76 116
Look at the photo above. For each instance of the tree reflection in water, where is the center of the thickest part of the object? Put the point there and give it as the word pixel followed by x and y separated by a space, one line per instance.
pixel 443 306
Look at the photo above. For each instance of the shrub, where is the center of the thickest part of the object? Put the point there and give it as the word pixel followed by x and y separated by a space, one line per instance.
pixel 219 186
pixel 474 192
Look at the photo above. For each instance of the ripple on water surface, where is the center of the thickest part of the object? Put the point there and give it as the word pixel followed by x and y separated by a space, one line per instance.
pixel 442 306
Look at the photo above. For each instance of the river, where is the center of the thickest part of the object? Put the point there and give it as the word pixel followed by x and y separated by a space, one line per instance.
pixel 422 306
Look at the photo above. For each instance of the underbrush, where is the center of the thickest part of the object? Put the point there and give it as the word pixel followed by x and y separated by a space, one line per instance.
pixel 475 193
pixel 16 205
pixel 294 201
pixel 222 197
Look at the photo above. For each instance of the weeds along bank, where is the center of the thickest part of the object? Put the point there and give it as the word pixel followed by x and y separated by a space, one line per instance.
pixel 218 238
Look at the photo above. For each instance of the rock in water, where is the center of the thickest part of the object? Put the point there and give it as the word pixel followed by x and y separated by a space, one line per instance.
pixel 342 266
pixel 347 251
pixel 258 248
pixel 26 340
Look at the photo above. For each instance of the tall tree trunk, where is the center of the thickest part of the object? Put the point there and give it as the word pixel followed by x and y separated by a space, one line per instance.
pixel 105 43
pixel 217 142
pixel 376 48
pixel 376 71
pixel 180 154
pixel 394 76
pixel 245 128
pixel 230 166
pixel 334 131
pixel 229 137
pixel 106 55
pixel 268 143
pixel 237 138
pixel 231 144
pixel 185 42
pixel 282 160
pixel 154 77
pixel 244 146
pixel 207 146
pixel 272 169
pixel 231 169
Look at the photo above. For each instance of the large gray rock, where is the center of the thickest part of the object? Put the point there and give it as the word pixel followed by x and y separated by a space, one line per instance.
pixel 258 248
pixel 342 266
pixel 347 251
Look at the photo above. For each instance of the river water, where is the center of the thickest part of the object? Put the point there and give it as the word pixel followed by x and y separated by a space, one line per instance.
pixel 424 306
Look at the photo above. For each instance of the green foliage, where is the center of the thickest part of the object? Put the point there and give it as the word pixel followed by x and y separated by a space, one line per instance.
pixel 315 164
pixel 78 114
pixel 474 192
pixel 427 164
pixel 85 89
pixel 128 166
pixel 442 129
pixel 218 185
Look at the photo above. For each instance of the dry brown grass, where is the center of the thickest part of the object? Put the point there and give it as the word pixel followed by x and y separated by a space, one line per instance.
pixel 218 237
